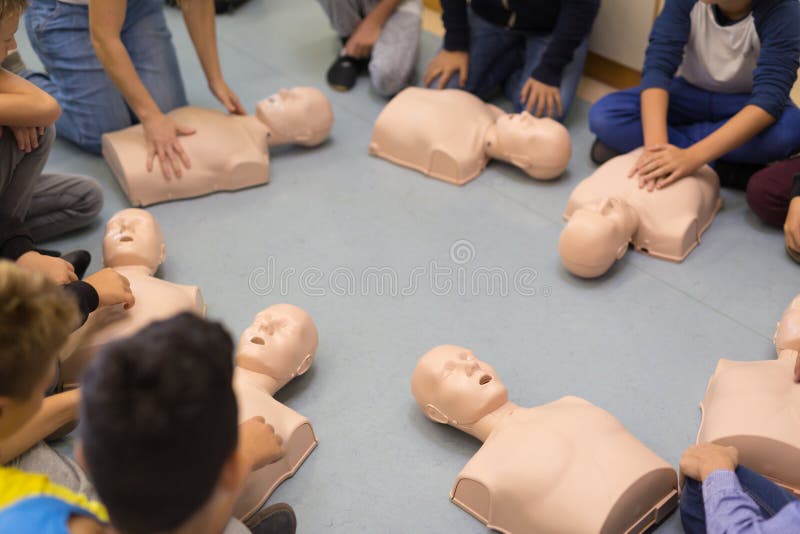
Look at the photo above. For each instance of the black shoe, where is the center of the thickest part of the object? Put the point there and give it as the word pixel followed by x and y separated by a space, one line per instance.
pixel 342 75
pixel 275 519
pixel 80 260
pixel 735 175
pixel 601 152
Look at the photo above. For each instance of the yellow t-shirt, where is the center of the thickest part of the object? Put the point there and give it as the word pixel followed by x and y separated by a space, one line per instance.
pixel 16 485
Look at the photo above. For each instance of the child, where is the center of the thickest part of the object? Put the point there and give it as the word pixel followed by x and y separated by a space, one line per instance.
pixel 35 206
pixel 381 33
pixel 738 61
pixel 533 50
pixel 129 429
pixel 774 195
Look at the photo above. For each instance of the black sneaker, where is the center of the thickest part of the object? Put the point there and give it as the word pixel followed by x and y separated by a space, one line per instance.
pixel 276 519
pixel 735 175
pixel 342 75
pixel 601 152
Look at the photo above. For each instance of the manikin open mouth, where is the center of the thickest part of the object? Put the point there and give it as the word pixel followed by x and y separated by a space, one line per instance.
pixel 257 340
pixel 485 379
pixel 126 239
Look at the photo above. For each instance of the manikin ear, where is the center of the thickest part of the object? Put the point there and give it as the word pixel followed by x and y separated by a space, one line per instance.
pixel 623 248
pixel 163 255
pixel 305 365
pixel 436 414
pixel 520 162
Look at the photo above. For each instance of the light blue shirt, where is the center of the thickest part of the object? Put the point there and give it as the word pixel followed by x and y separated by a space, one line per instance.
pixel 730 510
pixel 39 515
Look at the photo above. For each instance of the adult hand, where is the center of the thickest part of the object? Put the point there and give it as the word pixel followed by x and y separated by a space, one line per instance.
pixel 361 42
pixel 259 442
pixel 662 165
pixel 699 461
pixel 227 97
pixel 791 227
pixel 444 65
pixel 161 135
pixel 60 271
pixel 112 288
pixel 541 99
pixel 27 136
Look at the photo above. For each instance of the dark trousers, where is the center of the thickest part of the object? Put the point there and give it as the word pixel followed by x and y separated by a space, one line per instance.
pixel 769 191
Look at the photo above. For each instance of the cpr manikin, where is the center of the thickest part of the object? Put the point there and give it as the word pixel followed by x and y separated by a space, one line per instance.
pixel 227 152
pixel 452 135
pixel 133 246
pixel 278 346
pixel 755 406
pixel 608 211
pixel 567 467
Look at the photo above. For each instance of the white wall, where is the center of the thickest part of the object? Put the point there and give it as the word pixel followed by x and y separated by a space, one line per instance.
pixel 621 30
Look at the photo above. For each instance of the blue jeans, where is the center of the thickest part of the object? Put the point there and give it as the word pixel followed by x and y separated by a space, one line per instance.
pixel 506 58
pixel 91 105
pixel 769 497
pixel 692 115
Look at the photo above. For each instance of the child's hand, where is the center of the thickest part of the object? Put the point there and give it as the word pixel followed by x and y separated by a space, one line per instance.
pixel 791 228
pixel 226 96
pixel 662 165
pixel 27 137
pixel 444 65
pixel 112 288
pixel 161 135
pixel 360 44
pixel 259 443
pixel 60 271
pixel 541 99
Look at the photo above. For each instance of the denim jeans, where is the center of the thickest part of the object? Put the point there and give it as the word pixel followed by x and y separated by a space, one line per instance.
pixel 693 114
pixel 769 497
pixel 91 105
pixel 500 57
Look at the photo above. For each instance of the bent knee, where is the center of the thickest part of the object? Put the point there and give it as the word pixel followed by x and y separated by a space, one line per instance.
pixel 387 80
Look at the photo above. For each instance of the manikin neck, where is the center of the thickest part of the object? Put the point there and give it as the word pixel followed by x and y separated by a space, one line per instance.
pixel 276 138
pixel 491 145
pixel 263 382
pixel 482 428
pixel 137 270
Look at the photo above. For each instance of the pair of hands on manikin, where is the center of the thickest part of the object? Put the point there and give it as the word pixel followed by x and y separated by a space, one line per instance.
pixel 663 164
pixel 540 99
pixel 791 228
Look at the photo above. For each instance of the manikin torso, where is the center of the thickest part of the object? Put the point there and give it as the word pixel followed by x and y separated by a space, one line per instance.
pixel 255 387
pixel 755 406
pixel 438 133
pixel 671 220
pixel 565 467
pixel 227 152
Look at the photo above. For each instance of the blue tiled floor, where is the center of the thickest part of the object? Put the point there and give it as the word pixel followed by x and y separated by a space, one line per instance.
pixel 640 342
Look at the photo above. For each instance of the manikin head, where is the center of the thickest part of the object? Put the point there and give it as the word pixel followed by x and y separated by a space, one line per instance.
pixel 540 147
pixel 280 343
pixel 787 333
pixel 595 237
pixel 302 115
pixel 452 386
pixel 133 237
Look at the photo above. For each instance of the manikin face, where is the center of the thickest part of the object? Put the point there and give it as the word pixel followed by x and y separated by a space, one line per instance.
pixel 280 343
pixel 133 237
pixel 302 115
pixel 533 144
pixel 595 237
pixel 787 334
pixel 8 27
pixel 453 386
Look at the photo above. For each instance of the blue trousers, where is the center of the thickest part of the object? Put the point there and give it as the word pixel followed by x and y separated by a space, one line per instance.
pixel 91 105
pixel 693 114
pixel 500 57
pixel 769 497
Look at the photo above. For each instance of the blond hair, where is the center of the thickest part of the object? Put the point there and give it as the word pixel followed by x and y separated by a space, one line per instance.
pixel 36 318
pixel 12 7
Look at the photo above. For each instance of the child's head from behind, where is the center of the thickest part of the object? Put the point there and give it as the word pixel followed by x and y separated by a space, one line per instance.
pixel 36 318
pixel 159 422
pixel 10 11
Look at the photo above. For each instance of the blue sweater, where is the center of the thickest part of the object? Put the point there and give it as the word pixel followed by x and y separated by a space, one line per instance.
pixel 569 22
pixel 777 24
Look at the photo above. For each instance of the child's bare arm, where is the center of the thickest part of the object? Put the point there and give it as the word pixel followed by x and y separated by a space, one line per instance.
pixel 655 102
pixel 57 411
pixel 742 127
pixel 22 104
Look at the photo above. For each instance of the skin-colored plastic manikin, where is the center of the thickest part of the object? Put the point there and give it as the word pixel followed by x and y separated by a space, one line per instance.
pixel 608 211
pixel 278 346
pixel 567 467
pixel 452 135
pixel 755 406
pixel 227 152
pixel 134 247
